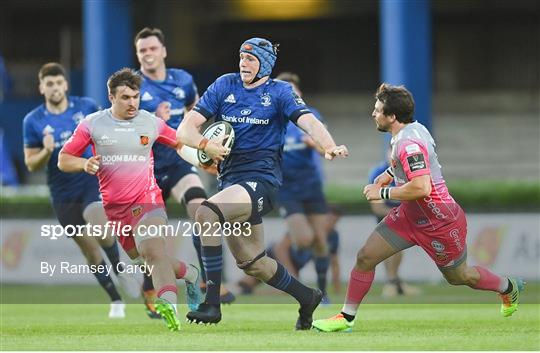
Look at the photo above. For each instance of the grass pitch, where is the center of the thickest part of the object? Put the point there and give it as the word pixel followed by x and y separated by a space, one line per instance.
pixel 397 326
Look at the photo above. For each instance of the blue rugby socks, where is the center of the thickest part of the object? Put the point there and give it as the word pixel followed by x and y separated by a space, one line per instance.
pixel 212 258
pixel 321 267
pixel 283 280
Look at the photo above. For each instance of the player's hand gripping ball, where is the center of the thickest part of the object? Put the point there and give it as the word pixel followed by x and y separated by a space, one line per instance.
pixel 220 132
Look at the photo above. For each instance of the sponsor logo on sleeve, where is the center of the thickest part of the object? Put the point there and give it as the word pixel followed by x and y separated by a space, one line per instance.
pixel 297 99
pixel 416 162
pixel 412 149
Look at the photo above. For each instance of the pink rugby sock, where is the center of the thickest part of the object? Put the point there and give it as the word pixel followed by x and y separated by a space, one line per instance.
pixel 359 285
pixel 489 281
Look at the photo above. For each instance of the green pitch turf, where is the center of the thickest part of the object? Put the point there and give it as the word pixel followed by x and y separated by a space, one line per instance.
pixel 398 326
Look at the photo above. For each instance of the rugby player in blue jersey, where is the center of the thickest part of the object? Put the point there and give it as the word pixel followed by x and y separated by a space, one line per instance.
pixel 259 109
pixel 169 93
pixel 75 197
pixel 301 197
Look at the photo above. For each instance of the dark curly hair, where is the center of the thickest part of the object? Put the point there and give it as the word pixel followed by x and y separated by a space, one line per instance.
pixel 396 100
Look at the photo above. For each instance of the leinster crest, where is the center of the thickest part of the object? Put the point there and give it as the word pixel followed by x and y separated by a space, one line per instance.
pixel 266 100
pixel 179 93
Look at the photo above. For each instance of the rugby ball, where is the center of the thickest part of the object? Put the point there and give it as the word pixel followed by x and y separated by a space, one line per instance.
pixel 216 130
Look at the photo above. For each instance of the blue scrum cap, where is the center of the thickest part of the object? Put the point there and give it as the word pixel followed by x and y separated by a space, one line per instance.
pixel 265 51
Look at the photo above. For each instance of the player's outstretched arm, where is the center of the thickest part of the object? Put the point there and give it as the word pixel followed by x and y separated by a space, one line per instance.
pixel 311 144
pixel 314 128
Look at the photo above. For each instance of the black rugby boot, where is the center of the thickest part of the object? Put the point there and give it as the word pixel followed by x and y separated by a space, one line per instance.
pixel 205 314
pixel 306 311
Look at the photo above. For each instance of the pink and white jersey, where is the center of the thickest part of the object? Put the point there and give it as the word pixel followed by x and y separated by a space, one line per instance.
pixel 126 171
pixel 413 154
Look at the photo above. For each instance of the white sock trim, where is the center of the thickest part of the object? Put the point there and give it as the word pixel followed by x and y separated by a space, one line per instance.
pixel 504 285
pixel 350 309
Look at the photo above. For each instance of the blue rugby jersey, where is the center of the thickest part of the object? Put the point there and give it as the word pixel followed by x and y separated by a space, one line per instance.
pixel 180 91
pixel 301 164
pixel 63 186
pixel 259 117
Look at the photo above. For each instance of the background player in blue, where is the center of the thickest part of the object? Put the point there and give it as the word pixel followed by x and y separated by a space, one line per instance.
pixel 301 197
pixel 259 109
pixel 169 93
pixel 302 205
pixel 380 208
pixel 75 197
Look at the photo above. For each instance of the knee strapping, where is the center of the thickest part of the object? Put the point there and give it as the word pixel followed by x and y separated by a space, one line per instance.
pixel 247 264
pixel 215 209
pixel 192 193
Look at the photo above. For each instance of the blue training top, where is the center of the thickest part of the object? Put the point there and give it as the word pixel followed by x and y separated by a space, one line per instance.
pixel 301 163
pixel 63 186
pixel 259 117
pixel 180 91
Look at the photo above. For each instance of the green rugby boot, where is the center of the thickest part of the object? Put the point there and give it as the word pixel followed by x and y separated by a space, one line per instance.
pixel 168 313
pixel 510 301
pixel 334 324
